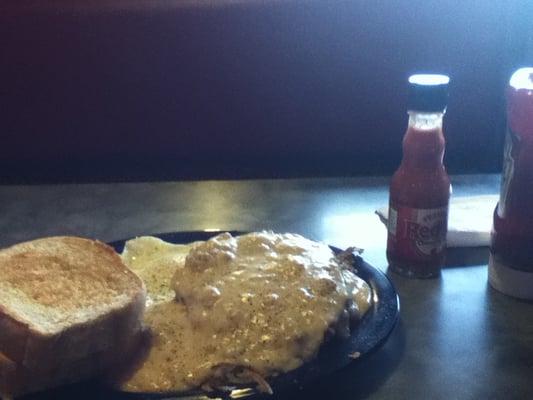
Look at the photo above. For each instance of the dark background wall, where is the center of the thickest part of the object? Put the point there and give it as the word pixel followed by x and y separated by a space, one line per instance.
pixel 179 90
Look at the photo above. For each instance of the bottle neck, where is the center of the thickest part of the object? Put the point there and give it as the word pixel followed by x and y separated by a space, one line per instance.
pixel 423 143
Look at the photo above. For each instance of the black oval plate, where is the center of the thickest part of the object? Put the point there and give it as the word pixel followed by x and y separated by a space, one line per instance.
pixel 372 331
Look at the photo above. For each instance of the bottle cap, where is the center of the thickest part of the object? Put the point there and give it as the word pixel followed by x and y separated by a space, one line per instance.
pixel 428 93
pixel 520 102
pixel 522 79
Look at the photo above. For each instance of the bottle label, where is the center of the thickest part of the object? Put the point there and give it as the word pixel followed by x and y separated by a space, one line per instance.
pixel 510 154
pixel 418 233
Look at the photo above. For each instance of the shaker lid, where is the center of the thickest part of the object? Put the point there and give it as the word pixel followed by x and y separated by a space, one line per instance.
pixel 428 92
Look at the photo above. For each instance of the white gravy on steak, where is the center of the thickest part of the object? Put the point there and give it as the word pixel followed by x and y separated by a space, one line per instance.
pixel 262 300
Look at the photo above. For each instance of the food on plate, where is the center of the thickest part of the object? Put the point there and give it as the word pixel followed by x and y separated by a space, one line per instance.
pixel 226 311
pixel 69 310
pixel 242 309
pixel 155 261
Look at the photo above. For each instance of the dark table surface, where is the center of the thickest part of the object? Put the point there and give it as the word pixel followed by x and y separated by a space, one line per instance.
pixel 457 338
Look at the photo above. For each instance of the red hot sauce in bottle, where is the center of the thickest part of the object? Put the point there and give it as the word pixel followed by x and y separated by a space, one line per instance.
pixel 420 188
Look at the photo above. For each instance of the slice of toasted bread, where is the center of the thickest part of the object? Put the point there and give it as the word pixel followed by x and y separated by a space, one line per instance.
pixel 65 301
pixel 16 380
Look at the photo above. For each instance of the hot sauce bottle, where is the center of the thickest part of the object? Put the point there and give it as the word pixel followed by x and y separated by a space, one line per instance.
pixel 511 251
pixel 420 188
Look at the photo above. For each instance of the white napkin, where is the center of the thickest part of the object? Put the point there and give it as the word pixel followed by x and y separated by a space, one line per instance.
pixel 469 220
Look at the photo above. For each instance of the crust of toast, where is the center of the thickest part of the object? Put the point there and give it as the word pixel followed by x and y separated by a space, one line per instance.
pixel 16 380
pixel 94 301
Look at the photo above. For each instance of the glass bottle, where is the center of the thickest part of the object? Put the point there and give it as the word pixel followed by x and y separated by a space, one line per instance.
pixel 511 251
pixel 420 188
